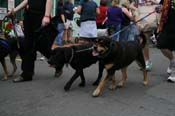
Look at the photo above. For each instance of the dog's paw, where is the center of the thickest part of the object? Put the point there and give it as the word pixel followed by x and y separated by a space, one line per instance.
pixel 96 93
pixel 145 83
pixel 120 84
pixel 66 88
pixel 95 83
pixel 112 87
pixel 82 84
pixel 4 79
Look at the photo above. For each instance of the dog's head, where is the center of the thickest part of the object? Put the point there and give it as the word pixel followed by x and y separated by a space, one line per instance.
pixel 102 46
pixel 58 57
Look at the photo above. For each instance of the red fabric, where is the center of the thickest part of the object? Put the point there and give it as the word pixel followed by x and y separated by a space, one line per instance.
pixel 9 26
pixel 6 35
pixel 101 17
pixel 164 13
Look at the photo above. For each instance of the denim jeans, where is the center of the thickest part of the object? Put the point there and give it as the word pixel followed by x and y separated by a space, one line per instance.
pixel 59 38
pixel 124 35
pixel 129 34
pixel 115 36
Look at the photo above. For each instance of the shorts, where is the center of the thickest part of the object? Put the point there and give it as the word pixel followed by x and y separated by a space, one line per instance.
pixel 88 29
pixel 166 41
pixel 69 24
pixel 149 23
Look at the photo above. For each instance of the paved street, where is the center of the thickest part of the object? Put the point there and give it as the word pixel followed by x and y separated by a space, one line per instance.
pixel 45 96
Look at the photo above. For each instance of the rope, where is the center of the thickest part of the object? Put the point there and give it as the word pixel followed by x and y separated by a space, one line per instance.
pixel 132 23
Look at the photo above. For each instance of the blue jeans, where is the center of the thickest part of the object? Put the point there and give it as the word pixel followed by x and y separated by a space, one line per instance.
pixel 59 38
pixel 114 34
pixel 129 34
pixel 124 35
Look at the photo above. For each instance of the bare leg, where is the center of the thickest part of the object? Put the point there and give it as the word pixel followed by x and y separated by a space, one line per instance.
pixel 167 53
pixel 5 70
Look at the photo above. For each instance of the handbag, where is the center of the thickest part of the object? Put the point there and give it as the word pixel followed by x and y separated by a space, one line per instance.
pixel 18 31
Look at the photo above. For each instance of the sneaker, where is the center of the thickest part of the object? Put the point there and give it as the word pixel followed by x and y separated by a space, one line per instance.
pixel 42 58
pixel 169 70
pixel 148 65
pixel 171 78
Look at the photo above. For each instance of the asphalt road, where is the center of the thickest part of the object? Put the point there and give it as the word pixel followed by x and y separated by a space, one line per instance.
pixel 45 96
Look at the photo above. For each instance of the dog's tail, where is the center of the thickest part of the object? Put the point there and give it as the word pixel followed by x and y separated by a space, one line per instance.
pixel 142 39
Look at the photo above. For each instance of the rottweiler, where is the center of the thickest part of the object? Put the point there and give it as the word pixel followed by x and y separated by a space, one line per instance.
pixel 116 56
pixel 11 47
pixel 79 57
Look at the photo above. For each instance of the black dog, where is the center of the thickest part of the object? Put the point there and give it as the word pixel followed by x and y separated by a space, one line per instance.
pixel 79 57
pixel 117 56
pixel 11 47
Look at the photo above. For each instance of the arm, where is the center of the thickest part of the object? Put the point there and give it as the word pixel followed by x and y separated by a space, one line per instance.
pixel 63 18
pixel 79 9
pixel 46 18
pixel 127 13
pixel 19 7
pixel 97 10
pixel 132 7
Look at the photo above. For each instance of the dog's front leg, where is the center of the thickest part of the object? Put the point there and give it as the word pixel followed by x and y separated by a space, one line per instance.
pixel 145 77
pixel 124 76
pixel 83 81
pixel 110 75
pixel 101 68
pixel 97 91
pixel 69 83
pixel 5 70
pixel 112 86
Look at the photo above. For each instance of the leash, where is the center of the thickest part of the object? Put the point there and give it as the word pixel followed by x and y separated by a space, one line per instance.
pixel 133 23
pixel 78 51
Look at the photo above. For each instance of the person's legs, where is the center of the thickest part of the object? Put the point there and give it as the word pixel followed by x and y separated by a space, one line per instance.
pixel 69 30
pixel 124 35
pixel 69 35
pixel 59 37
pixel 169 54
pixel 65 31
pixel 31 24
pixel 28 60
pixel 115 35
pixel 166 44
pixel 146 53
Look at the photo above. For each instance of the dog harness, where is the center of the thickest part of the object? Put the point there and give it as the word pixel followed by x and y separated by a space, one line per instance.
pixel 77 51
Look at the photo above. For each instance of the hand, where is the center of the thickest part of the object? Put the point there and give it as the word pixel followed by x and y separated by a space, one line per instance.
pixel 158 9
pixel 67 11
pixel 11 12
pixel 46 20
pixel 64 25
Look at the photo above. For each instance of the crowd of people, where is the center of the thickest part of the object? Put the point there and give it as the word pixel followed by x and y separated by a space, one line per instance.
pixel 114 17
